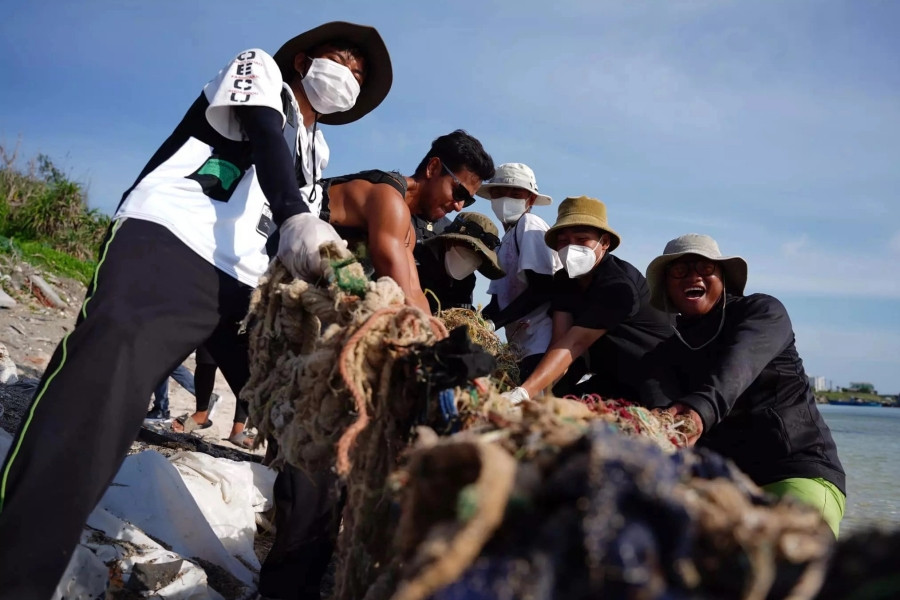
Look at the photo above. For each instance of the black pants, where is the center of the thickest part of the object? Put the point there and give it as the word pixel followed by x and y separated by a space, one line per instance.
pixel 205 381
pixel 307 518
pixel 152 303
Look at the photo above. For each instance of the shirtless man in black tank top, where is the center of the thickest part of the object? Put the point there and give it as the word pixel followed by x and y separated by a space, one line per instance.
pixel 374 202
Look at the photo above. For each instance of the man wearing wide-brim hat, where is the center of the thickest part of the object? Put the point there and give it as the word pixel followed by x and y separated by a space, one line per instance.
pixel 733 369
pixel 521 299
pixel 468 244
pixel 600 308
pixel 185 250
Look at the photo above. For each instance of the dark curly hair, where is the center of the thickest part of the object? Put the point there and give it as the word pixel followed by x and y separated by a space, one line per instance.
pixel 459 150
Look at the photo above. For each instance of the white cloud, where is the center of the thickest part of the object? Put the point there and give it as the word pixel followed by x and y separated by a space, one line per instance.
pixel 894 243
pixel 836 270
pixel 794 247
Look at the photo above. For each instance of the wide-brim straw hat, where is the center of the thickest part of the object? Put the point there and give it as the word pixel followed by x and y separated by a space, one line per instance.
pixel 379 73
pixel 516 175
pixel 473 229
pixel 734 268
pixel 582 211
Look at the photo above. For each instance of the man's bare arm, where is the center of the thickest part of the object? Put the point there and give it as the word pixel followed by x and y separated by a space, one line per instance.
pixel 391 240
pixel 560 356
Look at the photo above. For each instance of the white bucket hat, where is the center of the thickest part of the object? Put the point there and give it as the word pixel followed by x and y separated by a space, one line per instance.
pixel 515 175
pixel 734 268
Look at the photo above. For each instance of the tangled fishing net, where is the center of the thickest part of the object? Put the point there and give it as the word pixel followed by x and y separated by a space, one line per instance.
pixel 506 373
pixel 606 516
pixel 320 354
pixel 555 498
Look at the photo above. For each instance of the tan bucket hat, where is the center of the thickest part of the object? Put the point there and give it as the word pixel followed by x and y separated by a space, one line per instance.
pixel 582 211
pixel 516 175
pixel 379 73
pixel 734 268
pixel 479 233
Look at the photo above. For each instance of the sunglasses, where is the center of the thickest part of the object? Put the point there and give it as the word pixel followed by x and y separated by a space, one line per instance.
pixel 473 229
pixel 682 268
pixel 460 193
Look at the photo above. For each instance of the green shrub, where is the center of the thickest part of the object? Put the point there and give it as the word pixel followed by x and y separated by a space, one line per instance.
pixel 47 216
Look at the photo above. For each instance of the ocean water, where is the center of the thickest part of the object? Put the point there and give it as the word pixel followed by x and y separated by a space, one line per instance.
pixel 868 443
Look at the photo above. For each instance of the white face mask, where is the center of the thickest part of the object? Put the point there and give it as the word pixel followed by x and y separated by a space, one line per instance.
pixel 578 260
pixel 509 210
pixel 330 87
pixel 461 262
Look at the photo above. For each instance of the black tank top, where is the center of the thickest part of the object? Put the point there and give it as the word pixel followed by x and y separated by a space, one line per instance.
pixel 357 237
pixel 392 178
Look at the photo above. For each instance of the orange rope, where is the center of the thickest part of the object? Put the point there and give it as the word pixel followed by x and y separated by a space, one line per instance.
pixel 350 435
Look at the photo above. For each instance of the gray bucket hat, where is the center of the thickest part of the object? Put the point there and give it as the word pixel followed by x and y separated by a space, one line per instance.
pixel 478 233
pixel 379 73
pixel 734 268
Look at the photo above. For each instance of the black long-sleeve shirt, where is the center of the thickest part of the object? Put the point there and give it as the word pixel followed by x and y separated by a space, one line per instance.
pixel 274 165
pixel 750 389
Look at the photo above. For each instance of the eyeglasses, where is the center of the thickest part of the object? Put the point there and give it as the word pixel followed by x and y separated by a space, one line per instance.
pixel 682 268
pixel 460 193
pixel 473 229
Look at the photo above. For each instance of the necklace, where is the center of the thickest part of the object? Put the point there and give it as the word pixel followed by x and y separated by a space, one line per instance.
pixel 715 335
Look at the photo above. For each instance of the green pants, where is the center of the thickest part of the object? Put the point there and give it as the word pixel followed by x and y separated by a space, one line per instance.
pixel 817 492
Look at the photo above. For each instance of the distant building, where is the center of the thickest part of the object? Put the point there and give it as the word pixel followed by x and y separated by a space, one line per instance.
pixel 817 384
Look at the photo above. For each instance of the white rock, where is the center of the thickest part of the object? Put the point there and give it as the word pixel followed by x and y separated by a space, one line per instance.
pixel 6 301
pixel 8 372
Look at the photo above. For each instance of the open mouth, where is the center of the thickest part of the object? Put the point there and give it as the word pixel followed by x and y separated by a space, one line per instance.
pixel 695 292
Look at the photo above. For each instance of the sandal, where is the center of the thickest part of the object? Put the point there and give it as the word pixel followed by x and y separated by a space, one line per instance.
pixel 188 424
pixel 243 440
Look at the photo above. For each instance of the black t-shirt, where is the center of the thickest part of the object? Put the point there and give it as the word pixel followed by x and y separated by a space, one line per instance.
pixel 617 299
pixel 434 278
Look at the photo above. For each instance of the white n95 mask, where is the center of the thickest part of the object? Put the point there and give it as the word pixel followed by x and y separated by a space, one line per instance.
pixel 461 262
pixel 578 260
pixel 330 87
pixel 509 210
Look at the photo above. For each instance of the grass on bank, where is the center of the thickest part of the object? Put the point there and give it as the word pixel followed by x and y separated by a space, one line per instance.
pixel 45 219
pixel 49 259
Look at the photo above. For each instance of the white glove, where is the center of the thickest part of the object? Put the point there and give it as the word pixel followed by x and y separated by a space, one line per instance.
pixel 298 246
pixel 516 396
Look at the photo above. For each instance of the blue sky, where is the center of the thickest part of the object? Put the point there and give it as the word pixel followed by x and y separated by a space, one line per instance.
pixel 772 126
